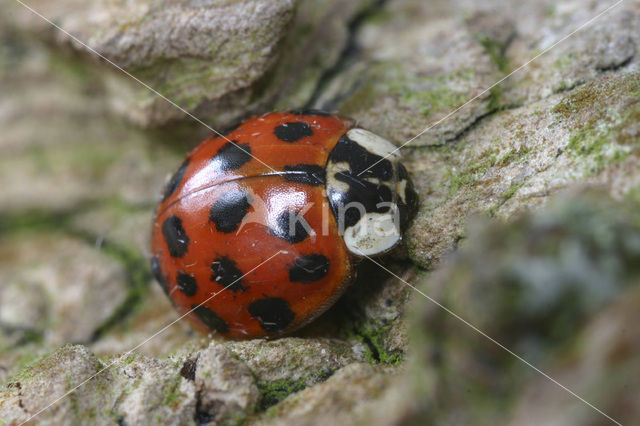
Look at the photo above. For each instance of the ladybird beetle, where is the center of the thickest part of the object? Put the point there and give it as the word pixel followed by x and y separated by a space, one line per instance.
pixel 308 186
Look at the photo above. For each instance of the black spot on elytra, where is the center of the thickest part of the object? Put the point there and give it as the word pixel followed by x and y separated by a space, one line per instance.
pixel 273 313
pixel 232 156
pixel 292 233
pixel 293 131
pixel 187 283
pixel 176 179
pixel 308 174
pixel 158 274
pixel 226 273
pixel 175 236
pixel 229 210
pixel 311 111
pixel 210 319
pixel 307 269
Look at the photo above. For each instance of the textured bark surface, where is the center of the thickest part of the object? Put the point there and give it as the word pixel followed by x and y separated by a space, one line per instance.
pixel 528 225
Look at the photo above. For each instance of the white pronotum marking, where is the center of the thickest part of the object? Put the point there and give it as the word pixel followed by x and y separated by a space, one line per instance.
pixel 374 234
pixel 373 143
pixel 333 169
